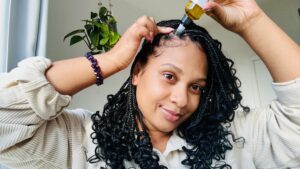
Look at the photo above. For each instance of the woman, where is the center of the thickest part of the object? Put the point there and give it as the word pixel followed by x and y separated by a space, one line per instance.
pixel 167 83
pixel 176 110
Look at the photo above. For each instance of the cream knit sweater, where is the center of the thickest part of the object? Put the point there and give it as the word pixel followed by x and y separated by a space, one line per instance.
pixel 36 131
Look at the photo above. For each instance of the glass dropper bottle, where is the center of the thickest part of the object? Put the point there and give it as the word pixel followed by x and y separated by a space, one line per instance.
pixel 193 11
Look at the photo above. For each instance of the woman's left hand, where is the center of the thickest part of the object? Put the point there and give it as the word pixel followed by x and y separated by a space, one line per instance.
pixel 234 15
pixel 270 43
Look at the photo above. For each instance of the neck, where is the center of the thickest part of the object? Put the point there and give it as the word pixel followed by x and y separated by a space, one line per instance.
pixel 159 139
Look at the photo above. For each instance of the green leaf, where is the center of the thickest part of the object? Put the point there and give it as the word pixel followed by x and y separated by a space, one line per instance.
pixel 106 48
pixel 73 33
pixel 95 38
pixel 114 39
pixel 104 30
pixel 104 40
pixel 76 39
pixel 99 32
pixel 102 11
pixel 112 23
pixel 93 15
pixel 113 27
pixel 88 28
pixel 93 23
pixel 111 19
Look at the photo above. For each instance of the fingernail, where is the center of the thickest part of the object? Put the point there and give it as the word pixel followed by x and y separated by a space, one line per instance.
pixel 207 9
pixel 170 29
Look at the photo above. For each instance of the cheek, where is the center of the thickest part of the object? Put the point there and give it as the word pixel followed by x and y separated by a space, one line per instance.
pixel 151 86
pixel 149 93
pixel 194 103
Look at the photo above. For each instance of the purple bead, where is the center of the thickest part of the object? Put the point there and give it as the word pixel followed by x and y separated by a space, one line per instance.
pixel 96 68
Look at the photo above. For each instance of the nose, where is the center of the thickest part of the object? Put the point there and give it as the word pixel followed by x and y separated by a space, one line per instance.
pixel 179 96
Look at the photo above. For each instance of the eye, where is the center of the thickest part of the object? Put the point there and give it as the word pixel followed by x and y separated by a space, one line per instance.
pixel 196 88
pixel 169 76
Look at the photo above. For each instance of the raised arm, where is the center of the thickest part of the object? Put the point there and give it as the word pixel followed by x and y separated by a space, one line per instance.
pixel 277 50
pixel 73 75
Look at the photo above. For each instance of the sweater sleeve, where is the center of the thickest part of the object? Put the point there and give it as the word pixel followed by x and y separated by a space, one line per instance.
pixel 29 110
pixel 283 126
pixel 272 134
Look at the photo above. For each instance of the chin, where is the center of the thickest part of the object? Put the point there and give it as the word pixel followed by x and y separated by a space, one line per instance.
pixel 167 129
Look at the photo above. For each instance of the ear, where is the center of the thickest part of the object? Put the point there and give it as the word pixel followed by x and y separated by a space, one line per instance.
pixel 136 73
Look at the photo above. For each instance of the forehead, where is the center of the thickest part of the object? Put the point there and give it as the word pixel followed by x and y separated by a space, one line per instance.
pixel 171 40
pixel 184 54
pixel 179 48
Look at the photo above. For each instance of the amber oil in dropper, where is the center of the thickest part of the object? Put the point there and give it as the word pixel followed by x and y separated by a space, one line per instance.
pixel 193 10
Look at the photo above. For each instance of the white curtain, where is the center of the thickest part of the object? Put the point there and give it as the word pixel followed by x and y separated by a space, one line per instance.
pixel 23 31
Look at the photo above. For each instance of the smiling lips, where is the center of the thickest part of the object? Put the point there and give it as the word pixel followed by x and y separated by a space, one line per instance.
pixel 170 115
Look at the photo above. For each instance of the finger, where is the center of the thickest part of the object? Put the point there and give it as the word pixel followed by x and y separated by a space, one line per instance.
pixel 221 2
pixel 159 29
pixel 144 32
pixel 154 29
pixel 165 30
pixel 215 10
pixel 148 23
pixel 211 5
pixel 152 19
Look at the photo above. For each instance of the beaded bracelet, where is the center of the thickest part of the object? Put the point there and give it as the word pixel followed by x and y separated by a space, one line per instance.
pixel 96 68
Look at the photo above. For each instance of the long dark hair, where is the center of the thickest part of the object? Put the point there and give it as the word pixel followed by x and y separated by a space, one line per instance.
pixel 118 138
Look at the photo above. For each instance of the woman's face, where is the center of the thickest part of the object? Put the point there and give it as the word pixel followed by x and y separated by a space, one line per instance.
pixel 168 87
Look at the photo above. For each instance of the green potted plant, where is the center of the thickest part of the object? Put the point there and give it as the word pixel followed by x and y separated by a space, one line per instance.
pixel 99 32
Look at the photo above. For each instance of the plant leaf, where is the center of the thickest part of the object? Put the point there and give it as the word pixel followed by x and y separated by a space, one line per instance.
pixel 104 40
pixel 104 30
pixel 114 39
pixel 88 28
pixel 75 39
pixel 111 19
pixel 93 23
pixel 93 15
pixel 95 38
pixel 102 11
pixel 73 33
pixel 99 32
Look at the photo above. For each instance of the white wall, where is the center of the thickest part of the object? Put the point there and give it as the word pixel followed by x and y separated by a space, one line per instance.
pixel 285 14
pixel 65 16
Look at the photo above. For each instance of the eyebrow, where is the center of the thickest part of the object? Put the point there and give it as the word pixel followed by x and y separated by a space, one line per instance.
pixel 180 71
pixel 173 66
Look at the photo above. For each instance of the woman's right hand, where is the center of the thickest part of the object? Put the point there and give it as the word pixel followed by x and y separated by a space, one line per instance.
pixel 61 73
pixel 124 51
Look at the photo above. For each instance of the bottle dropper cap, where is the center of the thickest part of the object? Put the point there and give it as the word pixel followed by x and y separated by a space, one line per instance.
pixel 179 30
pixel 184 21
